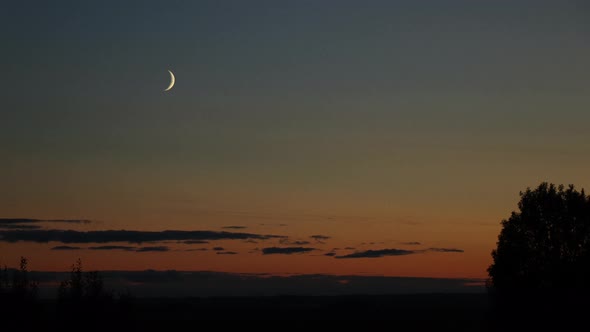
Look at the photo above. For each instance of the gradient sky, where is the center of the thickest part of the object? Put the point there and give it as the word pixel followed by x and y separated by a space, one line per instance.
pixel 376 123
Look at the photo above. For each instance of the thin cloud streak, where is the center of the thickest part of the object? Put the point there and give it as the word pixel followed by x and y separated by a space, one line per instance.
pixel 378 253
pixel 19 226
pixel 12 221
pixel 445 250
pixel 294 242
pixel 135 249
pixel 194 242
pixel 127 248
pixel 106 236
pixel 227 253
pixel 286 250
pixel 153 249
pixel 395 252
pixel 65 248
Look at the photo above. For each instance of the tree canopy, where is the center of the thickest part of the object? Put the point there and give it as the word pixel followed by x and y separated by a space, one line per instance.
pixel 546 243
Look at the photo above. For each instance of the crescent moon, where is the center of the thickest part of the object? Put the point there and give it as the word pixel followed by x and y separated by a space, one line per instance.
pixel 172 80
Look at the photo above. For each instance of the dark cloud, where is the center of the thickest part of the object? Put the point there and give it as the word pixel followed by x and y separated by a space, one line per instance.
pixel 71 236
pixel 320 237
pixel 19 226
pixel 378 253
pixel 234 227
pixel 32 221
pixel 218 248
pixel 127 248
pixel 445 250
pixel 65 248
pixel 227 253
pixel 295 243
pixel 394 252
pixel 412 243
pixel 349 248
pixel 195 242
pixel 29 224
pixel 286 250
pixel 152 249
pixel 331 254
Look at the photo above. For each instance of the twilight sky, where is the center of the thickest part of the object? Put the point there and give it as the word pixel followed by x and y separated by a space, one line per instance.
pixel 400 132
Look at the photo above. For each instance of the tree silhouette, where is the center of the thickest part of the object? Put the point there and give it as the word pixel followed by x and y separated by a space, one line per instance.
pixel 83 294
pixel 546 244
pixel 21 288
pixel 71 290
pixel 18 297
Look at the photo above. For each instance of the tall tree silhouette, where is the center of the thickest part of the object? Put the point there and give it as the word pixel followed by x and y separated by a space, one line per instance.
pixel 18 296
pixel 83 294
pixel 21 288
pixel 546 244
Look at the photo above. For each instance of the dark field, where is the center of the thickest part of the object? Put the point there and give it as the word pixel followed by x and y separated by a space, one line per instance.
pixel 461 307
pixel 469 310
pixel 423 312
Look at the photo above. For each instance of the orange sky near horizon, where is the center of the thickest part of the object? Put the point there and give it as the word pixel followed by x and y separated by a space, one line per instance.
pixel 468 220
pixel 469 264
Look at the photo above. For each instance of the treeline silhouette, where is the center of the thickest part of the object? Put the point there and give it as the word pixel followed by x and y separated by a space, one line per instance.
pixel 81 296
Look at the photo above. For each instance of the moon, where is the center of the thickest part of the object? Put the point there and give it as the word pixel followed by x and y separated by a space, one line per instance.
pixel 172 80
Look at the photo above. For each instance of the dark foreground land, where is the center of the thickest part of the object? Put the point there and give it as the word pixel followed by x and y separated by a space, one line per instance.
pixel 471 311
pixel 471 307
pixel 463 312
